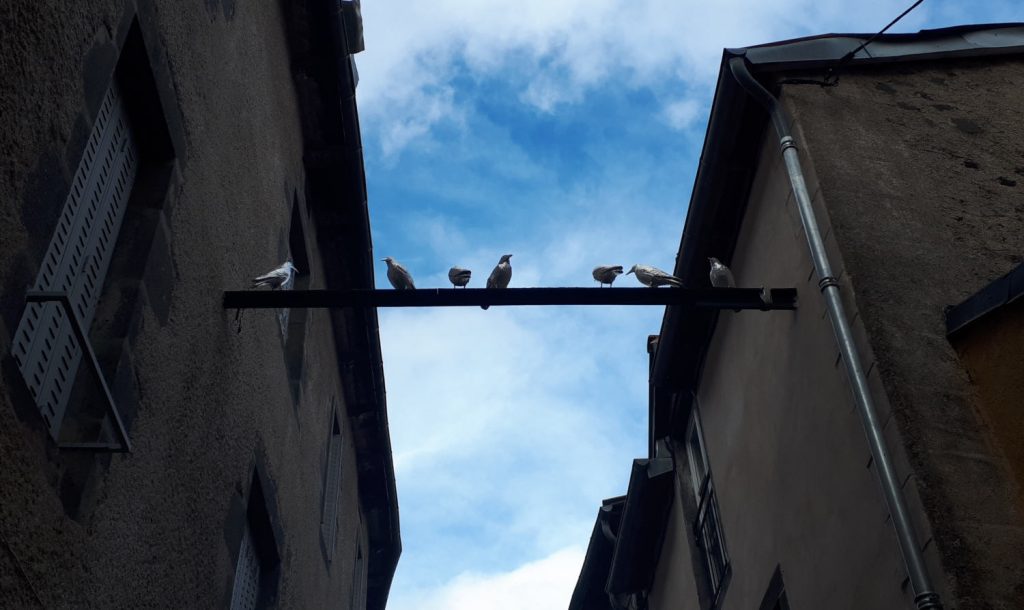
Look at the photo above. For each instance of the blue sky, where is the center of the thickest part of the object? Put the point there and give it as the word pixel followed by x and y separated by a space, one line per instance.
pixel 565 132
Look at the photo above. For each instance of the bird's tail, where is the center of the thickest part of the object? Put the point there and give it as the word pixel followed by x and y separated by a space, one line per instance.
pixel 674 281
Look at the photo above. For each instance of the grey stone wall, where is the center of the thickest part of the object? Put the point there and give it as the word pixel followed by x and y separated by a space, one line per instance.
pixel 160 527
pixel 922 171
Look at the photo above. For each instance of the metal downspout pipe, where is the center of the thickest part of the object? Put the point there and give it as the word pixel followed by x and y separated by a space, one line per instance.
pixel 924 594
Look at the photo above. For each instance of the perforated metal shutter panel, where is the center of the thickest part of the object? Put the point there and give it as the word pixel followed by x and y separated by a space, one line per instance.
pixel 329 523
pixel 76 260
pixel 247 575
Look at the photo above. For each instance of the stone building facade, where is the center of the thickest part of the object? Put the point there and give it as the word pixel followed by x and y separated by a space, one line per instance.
pixel 911 151
pixel 153 156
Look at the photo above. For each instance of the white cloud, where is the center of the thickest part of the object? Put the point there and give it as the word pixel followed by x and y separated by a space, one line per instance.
pixel 557 51
pixel 545 584
pixel 681 114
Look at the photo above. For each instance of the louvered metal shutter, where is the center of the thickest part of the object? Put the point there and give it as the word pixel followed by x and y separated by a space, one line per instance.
pixel 76 261
pixel 246 589
pixel 329 521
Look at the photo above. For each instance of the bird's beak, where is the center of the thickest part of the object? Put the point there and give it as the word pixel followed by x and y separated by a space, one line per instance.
pixel 628 272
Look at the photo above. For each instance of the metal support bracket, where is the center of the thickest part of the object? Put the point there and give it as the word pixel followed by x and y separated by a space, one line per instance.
pixel 125 444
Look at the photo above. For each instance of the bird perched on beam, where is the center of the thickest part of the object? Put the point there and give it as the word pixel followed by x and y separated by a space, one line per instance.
pixel 720 275
pixel 398 276
pixel 283 277
pixel 606 274
pixel 459 277
pixel 501 275
pixel 654 277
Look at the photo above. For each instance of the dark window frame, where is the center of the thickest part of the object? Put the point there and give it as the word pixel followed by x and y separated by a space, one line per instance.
pixel 706 524
pixel 259 519
pixel 775 596
pixel 330 505
pixel 112 326
pixel 293 323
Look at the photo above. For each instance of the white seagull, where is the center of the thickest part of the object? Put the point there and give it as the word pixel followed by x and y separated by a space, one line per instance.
pixel 398 276
pixel 606 274
pixel 501 275
pixel 654 277
pixel 283 277
pixel 720 275
pixel 458 276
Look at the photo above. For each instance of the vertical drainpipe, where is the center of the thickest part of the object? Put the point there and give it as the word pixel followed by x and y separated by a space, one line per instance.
pixel 924 594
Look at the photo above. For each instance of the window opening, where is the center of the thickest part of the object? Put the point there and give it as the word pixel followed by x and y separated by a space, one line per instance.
pixel 332 486
pixel 707 525
pixel 775 596
pixel 357 599
pixel 76 261
pixel 293 321
pixel 258 565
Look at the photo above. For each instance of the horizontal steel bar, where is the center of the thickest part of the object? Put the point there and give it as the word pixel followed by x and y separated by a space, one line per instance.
pixel 91 447
pixel 702 298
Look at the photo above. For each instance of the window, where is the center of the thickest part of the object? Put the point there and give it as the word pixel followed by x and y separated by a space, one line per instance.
pixel 707 526
pixel 357 599
pixel 332 486
pixel 775 596
pixel 258 565
pixel 109 245
pixel 293 321
pixel 247 574
pixel 77 260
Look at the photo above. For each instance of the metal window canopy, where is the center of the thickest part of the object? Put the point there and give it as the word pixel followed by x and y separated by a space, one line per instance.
pixel 697 298
pixel 124 445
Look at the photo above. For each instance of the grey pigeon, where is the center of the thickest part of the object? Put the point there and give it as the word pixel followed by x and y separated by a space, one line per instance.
pixel 458 276
pixel 398 276
pixel 654 277
pixel 606 274
pixel 720 275
pixel 501 275
pixel 283 277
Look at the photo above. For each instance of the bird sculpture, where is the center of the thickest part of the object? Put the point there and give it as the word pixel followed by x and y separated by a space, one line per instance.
pixel 399 277
pixel 459 277
pixel 720 275
pixel 606 274
pixel 283 277
pixel 501 275
pixel 654 277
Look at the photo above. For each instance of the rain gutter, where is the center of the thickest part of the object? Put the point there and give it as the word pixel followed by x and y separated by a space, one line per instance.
pixel 924 593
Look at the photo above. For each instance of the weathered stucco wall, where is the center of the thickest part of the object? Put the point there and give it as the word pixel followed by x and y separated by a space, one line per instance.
pixel 673 581
pixel 792 469
pixel 160 527
pixel 921 167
